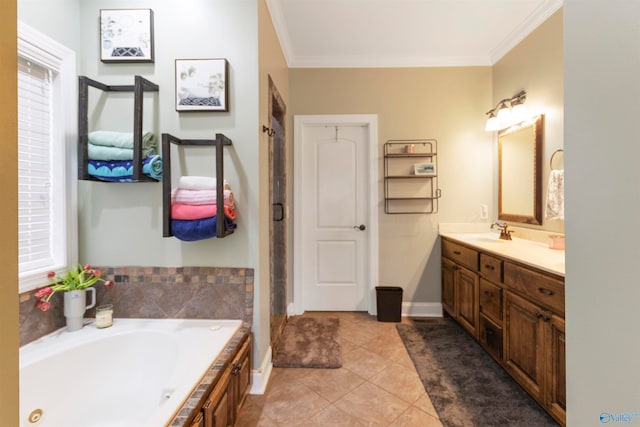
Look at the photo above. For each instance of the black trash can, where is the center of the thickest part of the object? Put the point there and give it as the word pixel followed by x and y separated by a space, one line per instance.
pixel 389 303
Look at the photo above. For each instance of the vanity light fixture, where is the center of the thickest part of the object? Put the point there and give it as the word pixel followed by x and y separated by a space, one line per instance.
pixel 508 112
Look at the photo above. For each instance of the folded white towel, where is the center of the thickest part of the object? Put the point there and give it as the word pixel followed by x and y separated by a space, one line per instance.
pixel 555 195
pixel 194 182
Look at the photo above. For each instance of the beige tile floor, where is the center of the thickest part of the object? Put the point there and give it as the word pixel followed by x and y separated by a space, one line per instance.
pixel 377 385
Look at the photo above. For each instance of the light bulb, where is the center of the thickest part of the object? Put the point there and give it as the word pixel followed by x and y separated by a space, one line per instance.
pixel 492 124
pixel 504 114
pixel 519 112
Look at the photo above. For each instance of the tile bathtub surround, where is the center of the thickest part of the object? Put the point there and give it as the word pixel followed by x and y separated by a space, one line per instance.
pixel 154 292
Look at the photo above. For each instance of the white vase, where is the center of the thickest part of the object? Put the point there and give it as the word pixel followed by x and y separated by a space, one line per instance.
pixel 75 304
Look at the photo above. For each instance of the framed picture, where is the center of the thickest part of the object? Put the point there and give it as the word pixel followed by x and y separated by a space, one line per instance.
pixel 202 85
pixel 426 169
pixel 126 35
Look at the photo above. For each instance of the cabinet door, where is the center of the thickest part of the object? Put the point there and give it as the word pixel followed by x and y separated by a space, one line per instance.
pixel 198 421
pixel 524 352
pixel 556 374
pixel 216 407
pixel 466 284
pixel 448 288
pixel 490 337
pixel 241 379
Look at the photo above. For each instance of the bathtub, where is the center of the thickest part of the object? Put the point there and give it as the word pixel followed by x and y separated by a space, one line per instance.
pixel 136 373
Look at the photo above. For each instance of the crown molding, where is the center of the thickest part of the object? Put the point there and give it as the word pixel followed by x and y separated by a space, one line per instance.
pixel 279 24
pixel 387 62
pixel 533 21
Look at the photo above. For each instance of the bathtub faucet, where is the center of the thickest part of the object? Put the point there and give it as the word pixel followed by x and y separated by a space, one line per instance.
pixel 505 233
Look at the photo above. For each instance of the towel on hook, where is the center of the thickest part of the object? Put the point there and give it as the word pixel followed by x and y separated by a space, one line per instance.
pixel 554 208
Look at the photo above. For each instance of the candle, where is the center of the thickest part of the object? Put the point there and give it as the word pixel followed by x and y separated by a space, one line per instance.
pixel 104 316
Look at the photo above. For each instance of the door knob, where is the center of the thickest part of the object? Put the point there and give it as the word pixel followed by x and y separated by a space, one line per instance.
pixel 360 227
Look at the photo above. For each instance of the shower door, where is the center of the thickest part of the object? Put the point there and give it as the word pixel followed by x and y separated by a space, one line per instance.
pixel 278 223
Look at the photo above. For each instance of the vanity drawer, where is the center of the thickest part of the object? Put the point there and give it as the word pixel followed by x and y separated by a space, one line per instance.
pixel 543 289
pixel 491 300
pixel 460 254
pixel 491 337
pixel 491 268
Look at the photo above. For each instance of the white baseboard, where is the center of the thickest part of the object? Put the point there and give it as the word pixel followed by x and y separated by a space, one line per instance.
pixel 422 309
pixel 260 377
pixel 291 310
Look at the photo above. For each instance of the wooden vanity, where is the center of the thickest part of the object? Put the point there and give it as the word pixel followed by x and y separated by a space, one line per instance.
pixel 515 311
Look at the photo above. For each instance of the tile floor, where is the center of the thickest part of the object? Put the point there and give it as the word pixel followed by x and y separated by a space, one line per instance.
pixel 376 386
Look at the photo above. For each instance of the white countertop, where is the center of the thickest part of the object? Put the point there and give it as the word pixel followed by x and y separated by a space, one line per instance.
pixel 534 254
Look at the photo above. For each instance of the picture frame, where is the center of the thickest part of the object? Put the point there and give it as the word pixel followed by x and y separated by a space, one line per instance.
pixel 202 84
pixel 126 35
pixel 424 169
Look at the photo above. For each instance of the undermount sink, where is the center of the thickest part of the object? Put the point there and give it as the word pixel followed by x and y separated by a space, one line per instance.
pixel 489 239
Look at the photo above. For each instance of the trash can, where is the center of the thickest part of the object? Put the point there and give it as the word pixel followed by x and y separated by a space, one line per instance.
pixel 389 303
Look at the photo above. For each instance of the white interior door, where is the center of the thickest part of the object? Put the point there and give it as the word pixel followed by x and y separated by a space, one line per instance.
pixel 334 218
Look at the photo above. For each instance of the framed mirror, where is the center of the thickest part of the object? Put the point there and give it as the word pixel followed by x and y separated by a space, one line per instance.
pixel 520 172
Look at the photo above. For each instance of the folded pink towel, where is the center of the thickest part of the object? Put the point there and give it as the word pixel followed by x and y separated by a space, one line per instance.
pixel 182 211
pixel 200 197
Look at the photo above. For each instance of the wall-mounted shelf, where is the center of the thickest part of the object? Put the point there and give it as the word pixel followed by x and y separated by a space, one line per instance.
pixel 410 176
pixel 140 86
pixel 218 144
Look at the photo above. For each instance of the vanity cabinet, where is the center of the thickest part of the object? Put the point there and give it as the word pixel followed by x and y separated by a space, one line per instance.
pixel 516 312
pixel 223 404
pixel 461 284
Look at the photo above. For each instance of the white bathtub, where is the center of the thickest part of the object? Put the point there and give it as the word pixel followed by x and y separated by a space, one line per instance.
pixel 136 373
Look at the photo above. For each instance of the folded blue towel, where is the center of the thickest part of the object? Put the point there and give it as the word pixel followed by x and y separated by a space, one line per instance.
pixel 120 139
pixel 122 170
pixel 103 152
pixel 198 229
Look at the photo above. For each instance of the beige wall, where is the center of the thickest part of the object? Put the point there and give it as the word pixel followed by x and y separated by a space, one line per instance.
pixel 272 63
pixel 8 218
pixel 536 65
pixel 443 103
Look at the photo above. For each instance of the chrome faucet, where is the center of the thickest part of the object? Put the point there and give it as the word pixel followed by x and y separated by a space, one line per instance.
pixel 505 233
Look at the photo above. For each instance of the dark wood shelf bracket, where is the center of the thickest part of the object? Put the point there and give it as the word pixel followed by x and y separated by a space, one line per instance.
pixel 140 86
pixel 218 143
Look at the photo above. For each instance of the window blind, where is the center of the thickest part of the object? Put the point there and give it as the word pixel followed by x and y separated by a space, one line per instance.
pixel 35 138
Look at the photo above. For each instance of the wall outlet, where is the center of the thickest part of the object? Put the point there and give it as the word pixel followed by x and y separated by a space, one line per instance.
pixel 484 212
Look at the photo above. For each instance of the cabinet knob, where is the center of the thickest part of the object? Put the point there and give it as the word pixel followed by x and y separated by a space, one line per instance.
pixel 489 267
pixel 457 253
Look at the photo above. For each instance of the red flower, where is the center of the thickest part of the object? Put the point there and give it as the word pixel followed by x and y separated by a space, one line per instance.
pixel 108 284
pixel 51 274
pixel 87 267
pixel 97 273
pixel 43 292
pixel 43 305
